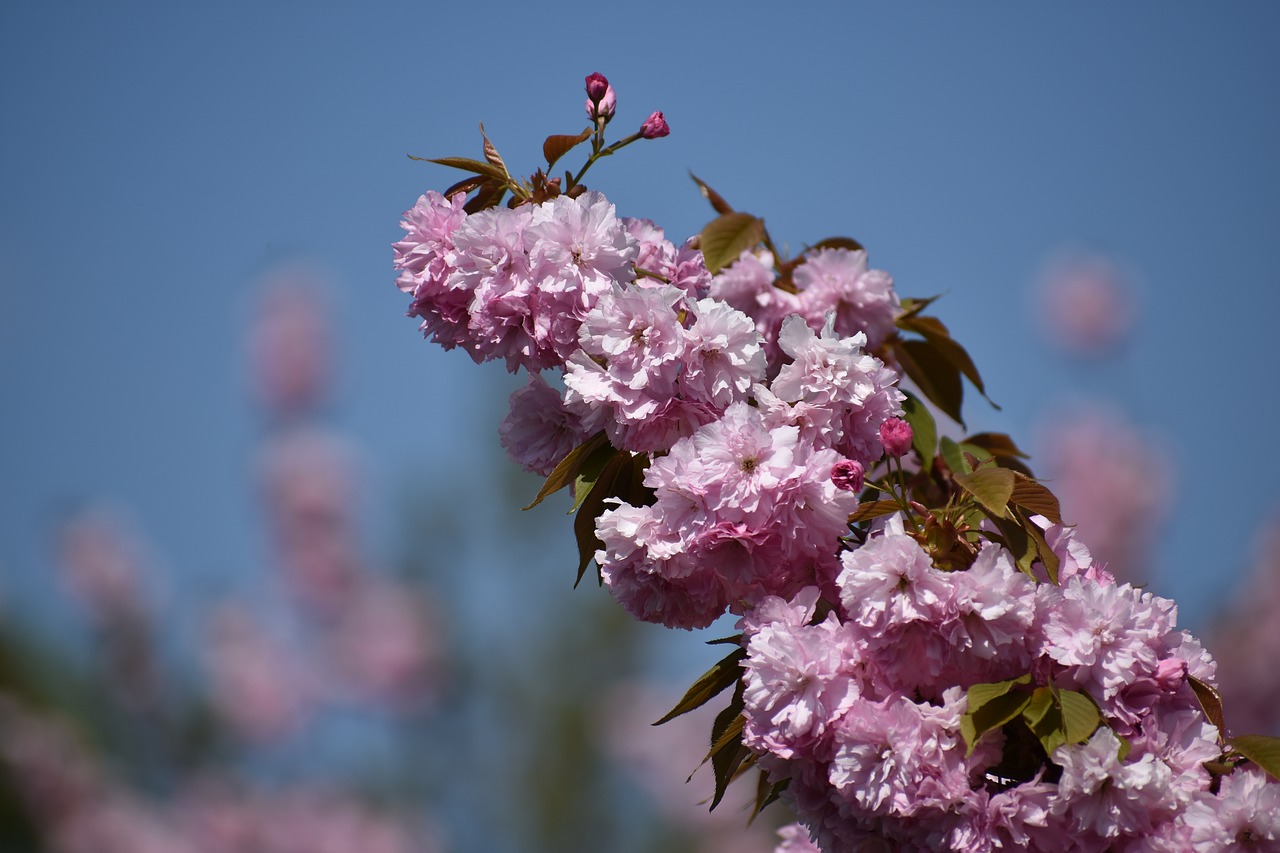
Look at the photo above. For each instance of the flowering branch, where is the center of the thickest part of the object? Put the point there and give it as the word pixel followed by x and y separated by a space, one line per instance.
pixel 946 669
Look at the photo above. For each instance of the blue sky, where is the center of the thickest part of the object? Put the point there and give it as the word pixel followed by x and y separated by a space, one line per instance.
pixel 158 157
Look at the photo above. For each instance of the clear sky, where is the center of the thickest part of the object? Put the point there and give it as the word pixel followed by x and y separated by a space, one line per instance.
pixel 157 157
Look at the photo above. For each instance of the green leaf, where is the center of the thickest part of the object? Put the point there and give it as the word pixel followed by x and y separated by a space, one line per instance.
pixel 874 509
pixel 466 164
pixel 567 471
pixel 991 486
pixel 1020 545
pixel 558 145
pixel 924 430
pixel 929 327
pixel 991 716
pixel 934 331
pixel 1080 716
pixel 1044 716
pixel 1262 750
pixel 1047 557
pixel 910 306
pixel 728 236
pixel 991 706
pixel 954 457
pixel 1036 498
pixel 1041 704
pixel 590 470
pixel 717 201
pixel 727 671
pixel 614 480
pixel 936 377
pixel 980 694
pixel 735 640
pixel 765 795
pixel 727 752
pixel 1210 702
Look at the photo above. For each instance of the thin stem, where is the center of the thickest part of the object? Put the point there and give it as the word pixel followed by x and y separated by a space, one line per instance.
pixel 601 152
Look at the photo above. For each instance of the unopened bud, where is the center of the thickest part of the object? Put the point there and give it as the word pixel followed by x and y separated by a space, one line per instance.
pixel 896 435
pixel 601 99
pixel 654 126
pixel 597 85
pixel 847 475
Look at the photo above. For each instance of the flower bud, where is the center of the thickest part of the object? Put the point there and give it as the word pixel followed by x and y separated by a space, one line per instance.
pixel 654 126
pixel 847 475
pixel 896 435
pixel 601 99
pixel 597 85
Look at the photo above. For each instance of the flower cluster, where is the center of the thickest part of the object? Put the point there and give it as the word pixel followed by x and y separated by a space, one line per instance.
pixel 862 710
pixel 961 677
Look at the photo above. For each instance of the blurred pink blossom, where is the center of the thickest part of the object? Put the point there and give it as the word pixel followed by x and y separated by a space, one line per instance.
pixel 290 342
pixel 1245 637
pixel 104 562
pixel 261 690
pixel 231 819
pixel 1114 480
pixel 1086 303
pixel 387 645
pixel 309 481
pixel 662 757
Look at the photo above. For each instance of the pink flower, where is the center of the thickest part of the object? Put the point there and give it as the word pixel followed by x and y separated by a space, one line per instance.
pixel 538 430
pixel 837 281
pixel 896 435
pixel 1107 636
pixel 723 357
pixel 799 679
pixel 890 581
pixel 1102 797
pixel 899 758
pixel 654 126
pixel 848 393
pixel 425 259
pixel 1242 817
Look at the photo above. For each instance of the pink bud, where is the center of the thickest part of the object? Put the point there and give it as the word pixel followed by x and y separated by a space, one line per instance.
pixel 654 126
pixel 597 85
pixel 895 435
pixel 847 475
pixel 601 99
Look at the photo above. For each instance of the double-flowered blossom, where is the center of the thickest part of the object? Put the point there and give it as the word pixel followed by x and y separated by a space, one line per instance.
pixel 838 395
pixel 837 282
pixel 538 430
pixel 861 710
pixel 739 507
pixel 512 283
pixel 646 379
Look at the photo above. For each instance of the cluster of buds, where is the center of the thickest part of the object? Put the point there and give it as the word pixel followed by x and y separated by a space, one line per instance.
pixel 602 102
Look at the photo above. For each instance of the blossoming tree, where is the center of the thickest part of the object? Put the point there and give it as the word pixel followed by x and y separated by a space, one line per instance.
pixel 927 657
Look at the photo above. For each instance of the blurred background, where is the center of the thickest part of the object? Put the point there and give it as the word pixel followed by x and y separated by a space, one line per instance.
pixel 264 581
